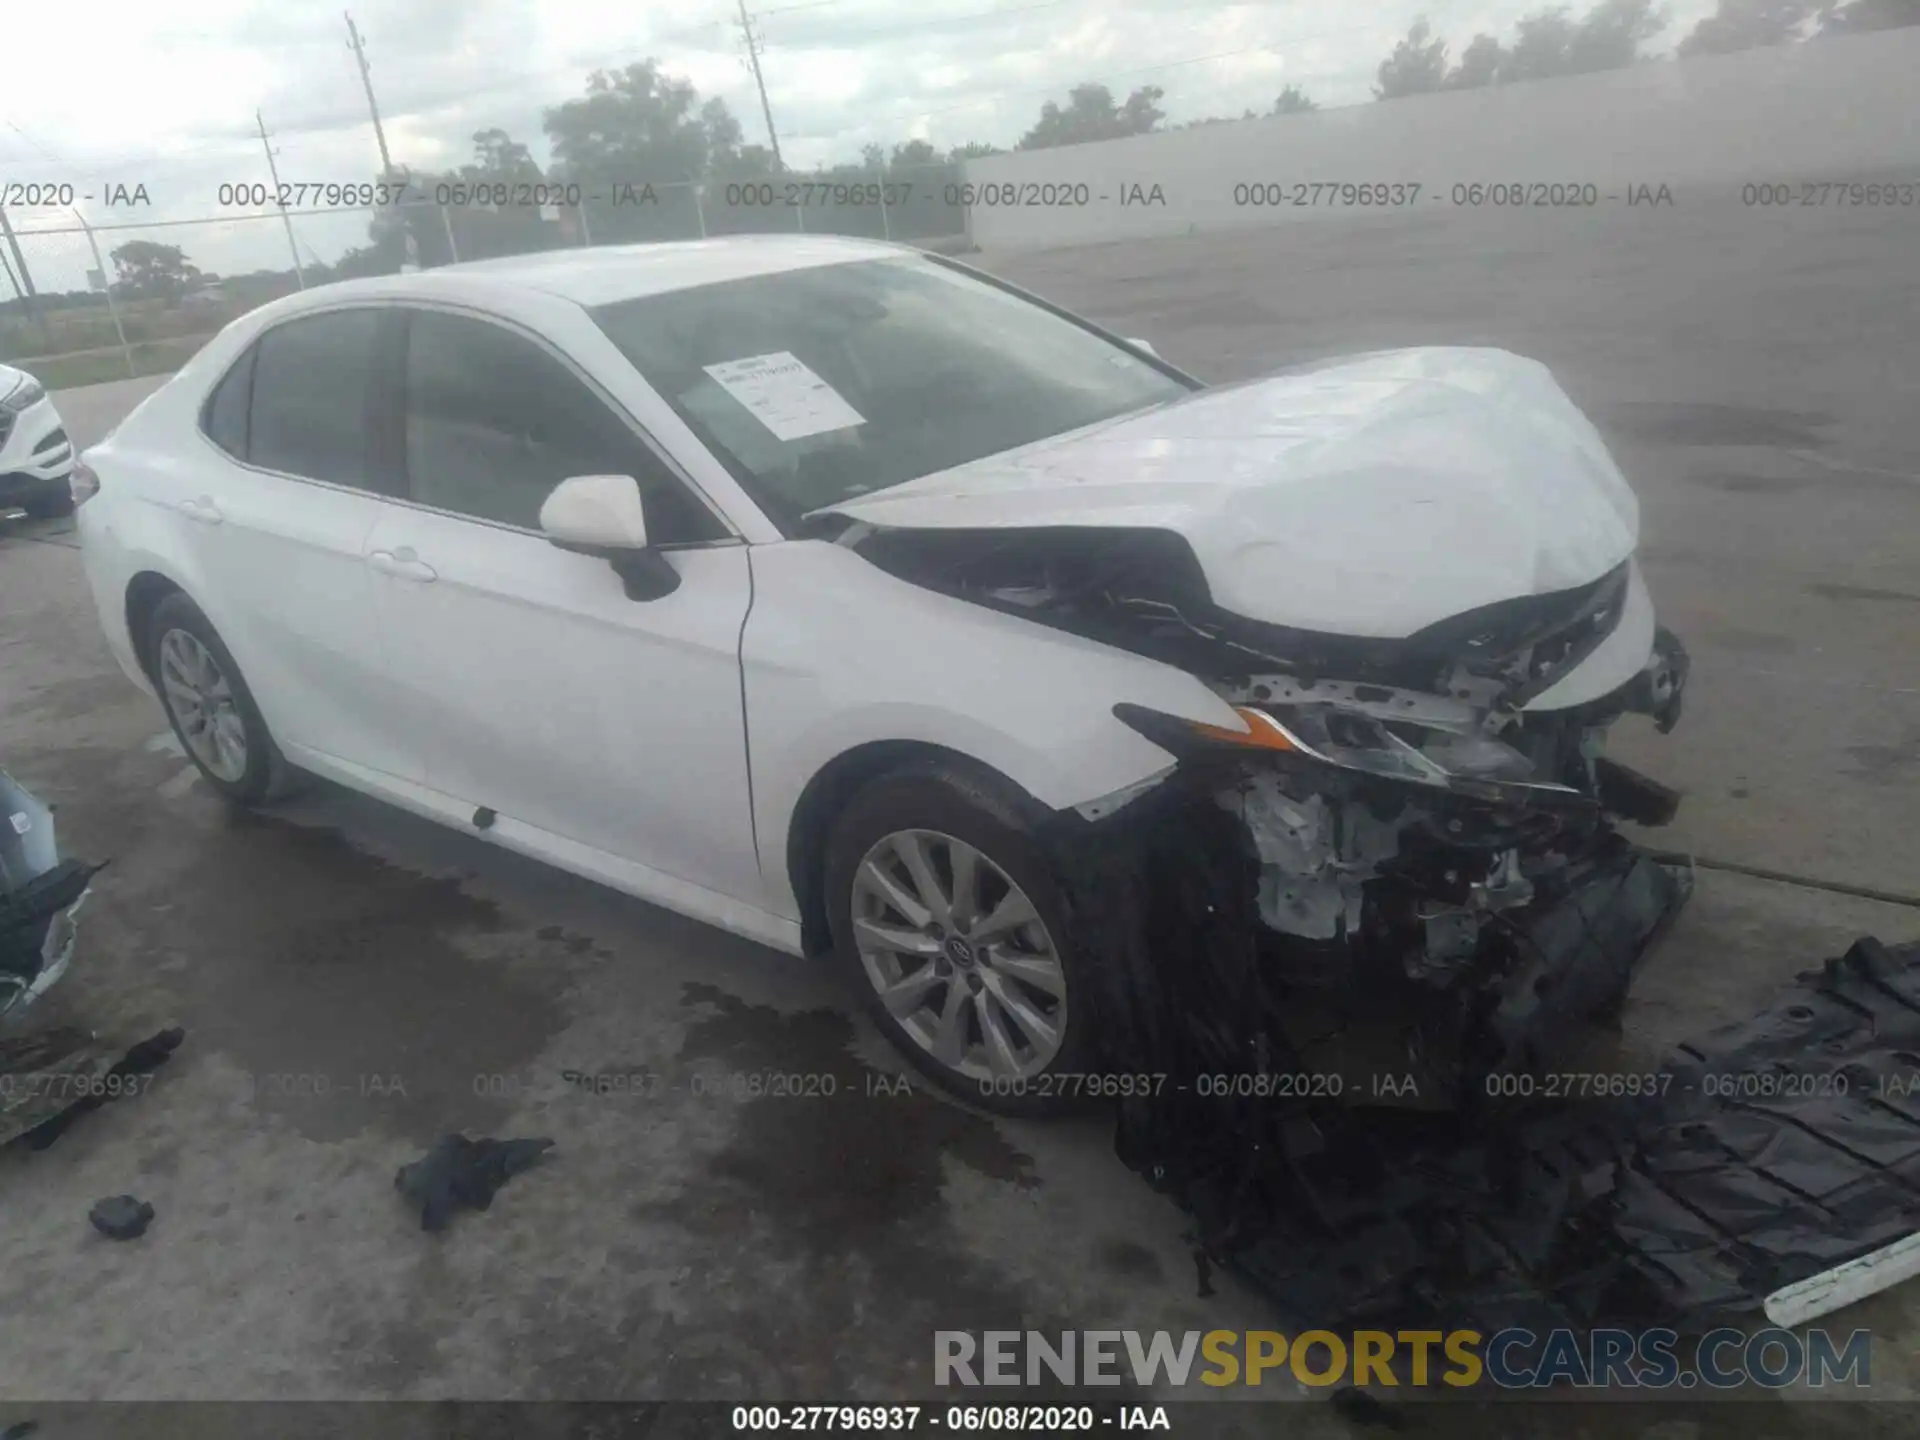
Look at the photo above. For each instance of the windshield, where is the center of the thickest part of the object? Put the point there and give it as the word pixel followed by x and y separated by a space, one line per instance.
pixel 821 384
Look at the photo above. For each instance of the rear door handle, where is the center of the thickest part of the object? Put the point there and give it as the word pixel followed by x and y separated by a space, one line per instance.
pixel 204 510
pixel 402 564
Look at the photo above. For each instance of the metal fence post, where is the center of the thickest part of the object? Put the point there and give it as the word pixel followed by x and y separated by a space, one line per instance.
pixel 699 206
pixel 886 229
pixel 106 284
pixel 446 223
pixel 586 235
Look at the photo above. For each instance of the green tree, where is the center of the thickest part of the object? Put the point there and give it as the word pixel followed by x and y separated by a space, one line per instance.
pixel 638 126
pixel 1480 64
pixel 1749 24
pixel 497 156
pixel 1091 114
pixel 152 271
pixel 1293 101
pixel 914 152
pixel 1610 35
pixel 972 150
pixel 1417 65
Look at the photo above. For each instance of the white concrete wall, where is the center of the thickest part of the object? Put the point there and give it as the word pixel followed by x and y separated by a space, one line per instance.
pixel 1829 109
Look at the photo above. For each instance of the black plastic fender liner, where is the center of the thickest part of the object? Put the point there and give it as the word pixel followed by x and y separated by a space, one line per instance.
pixel 1754 1157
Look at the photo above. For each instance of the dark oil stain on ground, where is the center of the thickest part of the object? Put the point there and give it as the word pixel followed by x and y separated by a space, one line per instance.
pixel 840 1196
pixel 1884 764
pixel 1129 1260
pixel 1661 422
pixel 331 979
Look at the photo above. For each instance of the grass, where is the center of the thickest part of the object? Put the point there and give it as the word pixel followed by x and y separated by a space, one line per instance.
pixel 156 357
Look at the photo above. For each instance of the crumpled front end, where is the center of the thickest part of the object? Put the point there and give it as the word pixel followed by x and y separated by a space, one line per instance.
pixel 1438 884
pixel 40 900
pixel 1422 828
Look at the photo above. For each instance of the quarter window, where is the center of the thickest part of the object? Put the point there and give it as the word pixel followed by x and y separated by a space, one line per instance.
pixel 494 423
pixel 311 381
pixel 226 418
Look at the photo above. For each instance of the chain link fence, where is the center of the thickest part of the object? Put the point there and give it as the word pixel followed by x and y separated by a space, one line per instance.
pixel 84 303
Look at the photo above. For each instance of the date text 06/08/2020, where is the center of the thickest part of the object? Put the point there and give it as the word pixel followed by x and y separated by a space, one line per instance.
pixel 959 1419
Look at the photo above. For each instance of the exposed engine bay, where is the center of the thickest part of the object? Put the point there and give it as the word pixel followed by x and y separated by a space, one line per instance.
pixel 1436 882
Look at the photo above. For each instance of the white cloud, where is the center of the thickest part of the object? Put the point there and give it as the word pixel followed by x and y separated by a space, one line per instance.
pixel 133 95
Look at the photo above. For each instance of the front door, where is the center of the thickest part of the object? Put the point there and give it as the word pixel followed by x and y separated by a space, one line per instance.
pixel 537 688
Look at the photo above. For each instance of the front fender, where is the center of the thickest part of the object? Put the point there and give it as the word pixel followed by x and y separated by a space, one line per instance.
pixel 838 654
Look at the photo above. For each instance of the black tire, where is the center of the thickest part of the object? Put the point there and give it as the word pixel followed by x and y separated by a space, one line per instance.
pixel 267 776
pixel 970 807
pixel 50 500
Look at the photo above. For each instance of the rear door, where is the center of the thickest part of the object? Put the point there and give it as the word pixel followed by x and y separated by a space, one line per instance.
pixel 539 689
pixel 278 527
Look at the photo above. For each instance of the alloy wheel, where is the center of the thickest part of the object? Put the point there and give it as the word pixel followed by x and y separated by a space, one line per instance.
pixel 958 954
pixel 200 699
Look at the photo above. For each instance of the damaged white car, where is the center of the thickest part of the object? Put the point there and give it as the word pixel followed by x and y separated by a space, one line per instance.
pixel 834 593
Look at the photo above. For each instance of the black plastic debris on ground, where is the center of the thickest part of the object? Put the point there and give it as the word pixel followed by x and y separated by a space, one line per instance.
pixel 121 1217
pixel 462 1174
pixel 1683 1208
pixel 68 1072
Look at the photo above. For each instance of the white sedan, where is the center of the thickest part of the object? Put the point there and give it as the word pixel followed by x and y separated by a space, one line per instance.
pixel 36 457
pixel 801 585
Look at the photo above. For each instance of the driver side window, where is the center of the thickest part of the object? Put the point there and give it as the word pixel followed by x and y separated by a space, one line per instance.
pixel 493 423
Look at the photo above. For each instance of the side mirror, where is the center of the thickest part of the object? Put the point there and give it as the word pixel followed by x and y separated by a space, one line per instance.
pixel 1143 345
pixel 602 515
pixel 602 511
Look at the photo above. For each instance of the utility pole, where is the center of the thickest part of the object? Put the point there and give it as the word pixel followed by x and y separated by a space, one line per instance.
pixel 753 60
pixel 23 280
pixel 285 219
pixel 355 44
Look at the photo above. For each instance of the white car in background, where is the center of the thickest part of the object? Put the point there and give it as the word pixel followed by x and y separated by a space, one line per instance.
pixel 36 457
pixel 827 590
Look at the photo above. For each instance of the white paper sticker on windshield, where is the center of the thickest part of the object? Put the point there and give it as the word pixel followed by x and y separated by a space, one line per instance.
pixel 785 396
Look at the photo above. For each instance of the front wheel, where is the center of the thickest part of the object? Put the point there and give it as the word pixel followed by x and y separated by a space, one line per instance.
pixel 949 924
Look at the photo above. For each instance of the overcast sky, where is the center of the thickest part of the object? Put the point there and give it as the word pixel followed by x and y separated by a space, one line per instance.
pixel 165 95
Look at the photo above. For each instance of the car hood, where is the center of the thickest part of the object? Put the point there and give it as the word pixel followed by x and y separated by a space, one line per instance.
pixel 1369 496
pixel 11 380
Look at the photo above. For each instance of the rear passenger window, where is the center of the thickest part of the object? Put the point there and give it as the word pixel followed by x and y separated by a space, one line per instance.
pixel 226 418
pixel 311 381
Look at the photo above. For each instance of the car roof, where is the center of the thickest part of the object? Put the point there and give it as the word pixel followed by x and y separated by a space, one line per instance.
pixel 604 275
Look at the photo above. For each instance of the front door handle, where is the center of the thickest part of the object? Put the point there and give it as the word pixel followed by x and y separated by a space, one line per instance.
pixel 203 510
pixel 402 564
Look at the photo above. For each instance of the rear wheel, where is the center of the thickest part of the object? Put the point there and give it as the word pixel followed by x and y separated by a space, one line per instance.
pixel 211 710
pixel 950 925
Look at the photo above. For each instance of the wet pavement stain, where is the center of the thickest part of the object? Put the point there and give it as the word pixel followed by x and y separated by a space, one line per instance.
pixel 1661 422
pixel 841 1195
pixel 1828 591
pixel 331 979
pixel 1886 764
pixel 1129 1260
